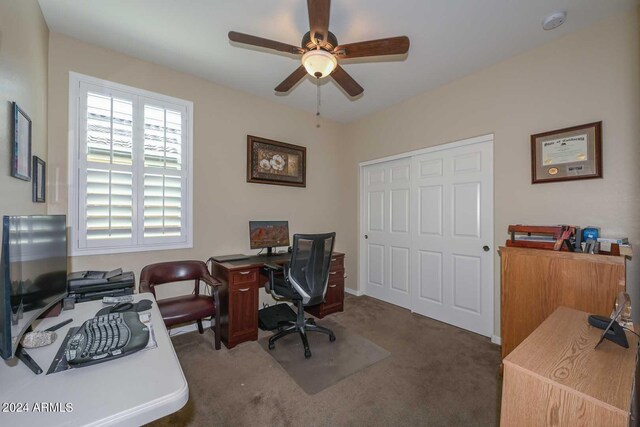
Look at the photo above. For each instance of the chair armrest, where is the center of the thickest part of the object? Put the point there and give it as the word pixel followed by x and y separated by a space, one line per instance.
pixel 217 287
pixel 211 281
pixel 144 286
pixel 272 270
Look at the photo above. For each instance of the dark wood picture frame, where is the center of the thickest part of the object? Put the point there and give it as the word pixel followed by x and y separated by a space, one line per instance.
pixel 39 180
pixel 572 153
pixel 21 148
pixel 277 163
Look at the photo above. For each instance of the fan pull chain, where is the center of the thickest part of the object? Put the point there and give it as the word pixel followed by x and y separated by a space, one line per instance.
pixel 318 103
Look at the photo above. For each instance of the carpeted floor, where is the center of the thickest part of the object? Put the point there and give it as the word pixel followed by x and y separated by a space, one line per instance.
pixel 437 375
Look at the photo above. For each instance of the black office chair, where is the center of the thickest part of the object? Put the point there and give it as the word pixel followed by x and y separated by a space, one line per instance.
pixel 304 281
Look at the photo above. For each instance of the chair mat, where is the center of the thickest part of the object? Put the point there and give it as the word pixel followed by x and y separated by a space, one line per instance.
pixel 330 362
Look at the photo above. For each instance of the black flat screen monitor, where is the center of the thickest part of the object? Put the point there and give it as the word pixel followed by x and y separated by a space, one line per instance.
pixel 268 234
pixel 33 273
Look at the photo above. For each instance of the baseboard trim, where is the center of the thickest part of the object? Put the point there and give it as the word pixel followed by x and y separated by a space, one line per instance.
pixel 496 340
pixel 353 292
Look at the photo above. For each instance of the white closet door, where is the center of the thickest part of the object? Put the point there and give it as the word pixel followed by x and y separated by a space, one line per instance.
pixel 387 238
pixel 452 261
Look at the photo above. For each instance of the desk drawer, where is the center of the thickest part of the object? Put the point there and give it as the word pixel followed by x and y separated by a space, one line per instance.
pixel 244 277
pixel 337 263
pixel 334 297
pixel 335 274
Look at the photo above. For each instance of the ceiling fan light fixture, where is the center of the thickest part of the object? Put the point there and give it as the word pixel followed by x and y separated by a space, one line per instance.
pixel 319 63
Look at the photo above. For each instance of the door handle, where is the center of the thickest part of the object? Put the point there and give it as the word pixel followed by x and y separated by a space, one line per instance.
pixel 485 248
pixel 366 236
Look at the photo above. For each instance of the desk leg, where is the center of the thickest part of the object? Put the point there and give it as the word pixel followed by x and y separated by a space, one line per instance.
pixel 22 354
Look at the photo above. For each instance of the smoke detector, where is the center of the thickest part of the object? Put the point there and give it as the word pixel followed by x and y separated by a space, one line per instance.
pixel 554 20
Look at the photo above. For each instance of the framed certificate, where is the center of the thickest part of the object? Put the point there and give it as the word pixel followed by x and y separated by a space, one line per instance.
pixel 567 154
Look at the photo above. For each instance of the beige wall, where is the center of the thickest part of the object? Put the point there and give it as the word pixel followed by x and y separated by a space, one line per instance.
pixel 24 40
pixel 587 76
pixel 223 201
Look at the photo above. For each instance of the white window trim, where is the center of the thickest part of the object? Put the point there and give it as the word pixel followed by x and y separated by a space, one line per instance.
pixel 72 173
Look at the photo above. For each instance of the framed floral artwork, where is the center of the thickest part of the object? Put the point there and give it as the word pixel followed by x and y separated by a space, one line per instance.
pixel 273 162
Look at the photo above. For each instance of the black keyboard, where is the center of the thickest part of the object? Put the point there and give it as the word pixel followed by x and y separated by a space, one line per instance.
pixel 107 337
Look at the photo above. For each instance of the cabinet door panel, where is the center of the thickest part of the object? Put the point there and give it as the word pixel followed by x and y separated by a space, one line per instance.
pixel 243 311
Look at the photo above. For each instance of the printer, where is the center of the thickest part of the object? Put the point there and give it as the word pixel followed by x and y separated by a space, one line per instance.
pixel 92 285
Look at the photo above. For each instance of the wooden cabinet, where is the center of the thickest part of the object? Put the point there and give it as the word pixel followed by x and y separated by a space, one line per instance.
pixel 243 313
pixel 239 302
pixel 556 377
pixel 334 298
pixel 239 306
pixel 536 282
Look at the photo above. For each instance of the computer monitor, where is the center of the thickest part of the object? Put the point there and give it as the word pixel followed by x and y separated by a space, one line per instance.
pixel 33 274
pixel 268 234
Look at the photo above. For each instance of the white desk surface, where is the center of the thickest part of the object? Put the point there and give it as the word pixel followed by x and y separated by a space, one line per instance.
pixel 130 391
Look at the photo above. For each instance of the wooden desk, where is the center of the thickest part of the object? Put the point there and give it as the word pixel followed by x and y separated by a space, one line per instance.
pixel 133 390
pixel 557 378
pixel 239 305
pixel 535 282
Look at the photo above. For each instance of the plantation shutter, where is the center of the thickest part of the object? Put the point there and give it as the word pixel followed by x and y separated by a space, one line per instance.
pixel 132 170
pixel 164 174
pixel 106 169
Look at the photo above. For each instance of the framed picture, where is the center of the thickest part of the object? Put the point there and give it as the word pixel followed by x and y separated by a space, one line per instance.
pixel 21 150
pixel 567 154
pixel 39 179
pixel 273 162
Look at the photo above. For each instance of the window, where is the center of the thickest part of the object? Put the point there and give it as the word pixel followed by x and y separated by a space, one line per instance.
pixel 130 179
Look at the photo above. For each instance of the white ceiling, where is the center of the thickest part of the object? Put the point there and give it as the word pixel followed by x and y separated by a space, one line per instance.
pixel 449 39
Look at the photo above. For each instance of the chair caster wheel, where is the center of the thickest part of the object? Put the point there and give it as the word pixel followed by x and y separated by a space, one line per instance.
pixel 332 338
pixel 307 354
pixel 311 321
pixel 272 346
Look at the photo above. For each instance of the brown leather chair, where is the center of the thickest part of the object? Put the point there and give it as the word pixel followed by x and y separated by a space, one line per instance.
pixel 184 308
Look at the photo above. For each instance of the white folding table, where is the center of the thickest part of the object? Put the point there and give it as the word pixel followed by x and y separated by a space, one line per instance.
pixel 132 390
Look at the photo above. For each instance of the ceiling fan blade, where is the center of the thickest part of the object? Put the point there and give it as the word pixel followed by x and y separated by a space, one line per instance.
pixel 390 46
pixel 291 81
pixel 346 81
pixel 319 18
pixel 260 42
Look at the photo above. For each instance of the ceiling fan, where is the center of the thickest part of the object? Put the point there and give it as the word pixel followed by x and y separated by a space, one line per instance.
pixel 321 52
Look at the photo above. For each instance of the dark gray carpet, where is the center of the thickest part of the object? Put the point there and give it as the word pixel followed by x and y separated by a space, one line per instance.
pixel 330 361
pixel 437 375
